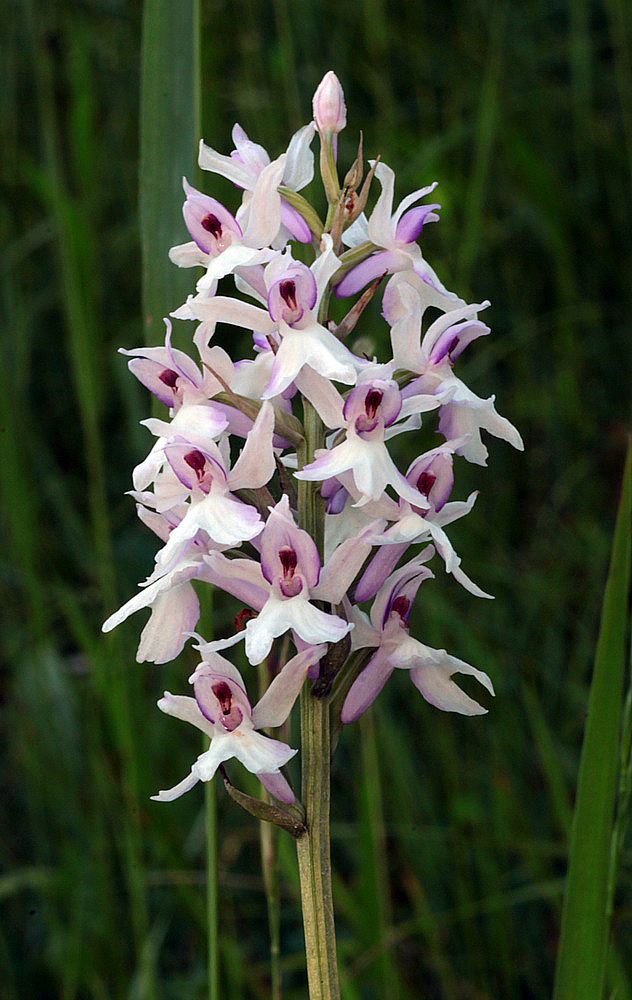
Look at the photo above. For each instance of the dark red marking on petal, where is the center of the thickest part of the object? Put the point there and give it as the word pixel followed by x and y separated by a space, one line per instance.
pixel 195 459
pixel 372 402
pixel 242 617
pixel 212 225
pixel 224 695
pixel 425 483
pixel 289 560
pixel 169 378
pixel 287 291
pixel 401 607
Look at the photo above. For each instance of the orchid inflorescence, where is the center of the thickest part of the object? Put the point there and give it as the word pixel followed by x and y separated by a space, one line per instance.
pixel 229 517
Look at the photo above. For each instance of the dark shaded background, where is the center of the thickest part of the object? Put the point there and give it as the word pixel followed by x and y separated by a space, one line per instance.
pixel 449 833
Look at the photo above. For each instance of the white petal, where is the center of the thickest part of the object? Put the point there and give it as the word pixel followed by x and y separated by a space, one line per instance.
pixel 299 163
pixel 169 794
pixel 187 709
pixel 222 309
pixel 276 704
pixel 225 166
pixel 255 465
pixel 434 682
pixel 258 753
pixel 323 396
pixel 325 266
pixel 346 562
pixel 264 216
pixel 226 262
pixel 381 228
pixel 174 615
pixel 188 255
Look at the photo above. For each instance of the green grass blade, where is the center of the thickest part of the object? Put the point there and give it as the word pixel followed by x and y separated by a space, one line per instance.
pixel 584 940
pixel 169 132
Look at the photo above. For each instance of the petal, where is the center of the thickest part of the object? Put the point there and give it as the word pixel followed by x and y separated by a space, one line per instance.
pixel 278 786
pixel 323 396
pixel 185 708
pixel 225 166
pixel 325 265
pixel 346 562
pixel 295 224
pixel 240 577
pixel 256 465
pixel 258 753
pixel 276 704
pixel 381 226
pixel 169 794
pixel 299 162
pixel 313 625
pixel 174 615
pixel 222 309
pixel 233 257
pixel 264 211
pixel 147 595
pixel 378 264
pixel 366 687
pixel 437 688
pixel 382 564
pixel 188 255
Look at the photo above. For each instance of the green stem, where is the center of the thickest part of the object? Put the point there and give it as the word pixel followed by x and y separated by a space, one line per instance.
pixel 210 796
pixel 312 848
pixel 269 844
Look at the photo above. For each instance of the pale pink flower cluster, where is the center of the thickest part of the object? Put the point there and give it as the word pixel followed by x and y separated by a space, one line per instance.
pixel 218 487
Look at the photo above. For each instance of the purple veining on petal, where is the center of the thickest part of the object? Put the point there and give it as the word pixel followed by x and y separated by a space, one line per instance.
pixel 210 225
pixel 295 223
pixel 410 226
pixel 370 269
pixel 433 476
pixel 455 339
pixel 293 295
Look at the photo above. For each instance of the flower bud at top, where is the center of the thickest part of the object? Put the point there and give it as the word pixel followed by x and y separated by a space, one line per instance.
pixel 330 111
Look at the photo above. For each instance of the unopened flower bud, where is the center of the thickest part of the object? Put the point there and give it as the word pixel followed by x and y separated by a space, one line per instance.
pixel 330 111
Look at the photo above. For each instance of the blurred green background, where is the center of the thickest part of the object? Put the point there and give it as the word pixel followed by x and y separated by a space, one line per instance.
pixel 449 834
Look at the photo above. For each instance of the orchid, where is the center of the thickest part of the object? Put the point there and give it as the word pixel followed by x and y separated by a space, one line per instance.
pixel 430 669
pixel 222 711
pixel 273 478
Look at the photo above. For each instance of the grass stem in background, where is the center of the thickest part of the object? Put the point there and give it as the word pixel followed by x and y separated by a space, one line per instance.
pixel 581 966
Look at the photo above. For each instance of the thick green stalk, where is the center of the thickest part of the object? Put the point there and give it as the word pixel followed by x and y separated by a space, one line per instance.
pixel 312 848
